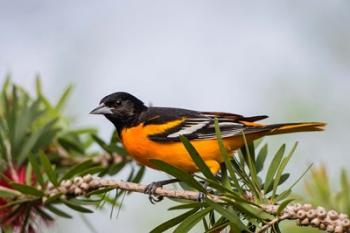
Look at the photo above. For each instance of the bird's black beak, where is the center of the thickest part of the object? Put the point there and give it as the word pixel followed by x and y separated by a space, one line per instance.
pixel 102 109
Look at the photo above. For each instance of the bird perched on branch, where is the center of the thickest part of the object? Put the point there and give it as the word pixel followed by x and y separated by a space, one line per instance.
pixel 153 133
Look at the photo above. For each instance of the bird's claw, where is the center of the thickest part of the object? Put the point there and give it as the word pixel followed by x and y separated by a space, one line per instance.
pixel 151 191
pixel 201 196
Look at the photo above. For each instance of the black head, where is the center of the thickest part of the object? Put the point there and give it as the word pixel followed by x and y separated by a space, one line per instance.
pixel 121 108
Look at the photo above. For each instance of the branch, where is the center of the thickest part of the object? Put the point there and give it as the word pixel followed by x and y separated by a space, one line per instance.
pixel 272 222
pixel 305 215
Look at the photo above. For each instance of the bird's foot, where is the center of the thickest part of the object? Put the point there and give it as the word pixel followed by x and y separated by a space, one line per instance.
pixel 152 187
pixel 201 195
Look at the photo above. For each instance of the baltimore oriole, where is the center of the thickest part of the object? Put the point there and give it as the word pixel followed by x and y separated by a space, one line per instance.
pixel 149 133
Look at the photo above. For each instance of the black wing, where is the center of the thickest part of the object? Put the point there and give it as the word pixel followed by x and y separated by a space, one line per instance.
pixel 198 125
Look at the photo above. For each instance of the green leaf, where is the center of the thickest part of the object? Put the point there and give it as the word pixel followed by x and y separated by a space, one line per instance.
pixel 57 211
pixel 3 150
pixel 224 154
pixel 45 102
pixel 36 168
pixel 188 223
pixel 139 175
pixel 27 189
pixel 174 221
pixel 114 137
pixel 345 192
pixel 38 86
pixel 231 216
pixel 283 195
pixel 8 193
pixel 16 202
pixel 281 169
pixel 77 169
pixel 48 168
pixel 260 160
pixel 6 83
pixel 99 191
pixel 283 178
pixel 76 207
pixel 248 209
pixel 219 186
pixel 43 214
pixel 46 138
pixel 92 170
pixel 283 205
pixel 28 114
pixel 53 199
pixel 28 175
pixel 71 145
pixel 301 176
pixel 63 98
pixel 187 206
pixel 33 141
pixel 273 167
pixel 249 157
pixel 114 168
pixel 197 159
pixel 102 144
pixel 179 174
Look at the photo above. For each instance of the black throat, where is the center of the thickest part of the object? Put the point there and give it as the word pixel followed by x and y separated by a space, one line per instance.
pixel 121 123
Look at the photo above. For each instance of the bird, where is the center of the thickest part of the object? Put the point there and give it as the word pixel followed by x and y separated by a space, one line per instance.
pixel 154 133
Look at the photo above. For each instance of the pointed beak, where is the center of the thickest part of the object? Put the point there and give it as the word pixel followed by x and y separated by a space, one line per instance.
pixel 102 109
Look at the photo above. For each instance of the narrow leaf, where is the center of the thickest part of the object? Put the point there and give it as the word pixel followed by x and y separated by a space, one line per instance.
pixel 187 224
pixel 283 205
pixel 57 211
pixel 174 221
pixel 179 174
pixel 38 174
pixel 63 98
pixel 197 159
pixel 187 206
pixel 8 193
pixel 48 168
pixel 273 167
pixel 139 175
pixel 281 169
pixel 76 207
pixel 77 169
pixel 27 189
pixel 260 160
pixel 224 154
pixel 231 216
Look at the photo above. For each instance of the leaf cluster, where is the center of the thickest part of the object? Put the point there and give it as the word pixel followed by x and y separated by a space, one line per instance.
pixel 322 192
pixel 241 186
pixel 39 148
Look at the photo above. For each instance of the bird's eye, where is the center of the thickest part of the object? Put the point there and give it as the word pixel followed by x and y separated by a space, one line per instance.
pixel 118 103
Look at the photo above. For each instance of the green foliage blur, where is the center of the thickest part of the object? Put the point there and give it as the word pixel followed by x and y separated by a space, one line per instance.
pixel 39 147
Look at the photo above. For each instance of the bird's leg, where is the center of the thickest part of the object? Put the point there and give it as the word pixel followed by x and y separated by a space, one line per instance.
pixel 151 189
pixel 201 195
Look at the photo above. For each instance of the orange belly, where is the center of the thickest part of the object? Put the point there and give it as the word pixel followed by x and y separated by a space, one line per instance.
pixel 142 149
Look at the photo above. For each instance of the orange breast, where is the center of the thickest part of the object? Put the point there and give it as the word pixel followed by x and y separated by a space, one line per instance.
pixel 142 149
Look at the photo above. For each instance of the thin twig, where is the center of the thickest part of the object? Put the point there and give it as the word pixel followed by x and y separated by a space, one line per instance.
pixel 272 222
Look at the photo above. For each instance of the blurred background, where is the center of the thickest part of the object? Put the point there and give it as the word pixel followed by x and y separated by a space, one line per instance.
pixel 289 60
